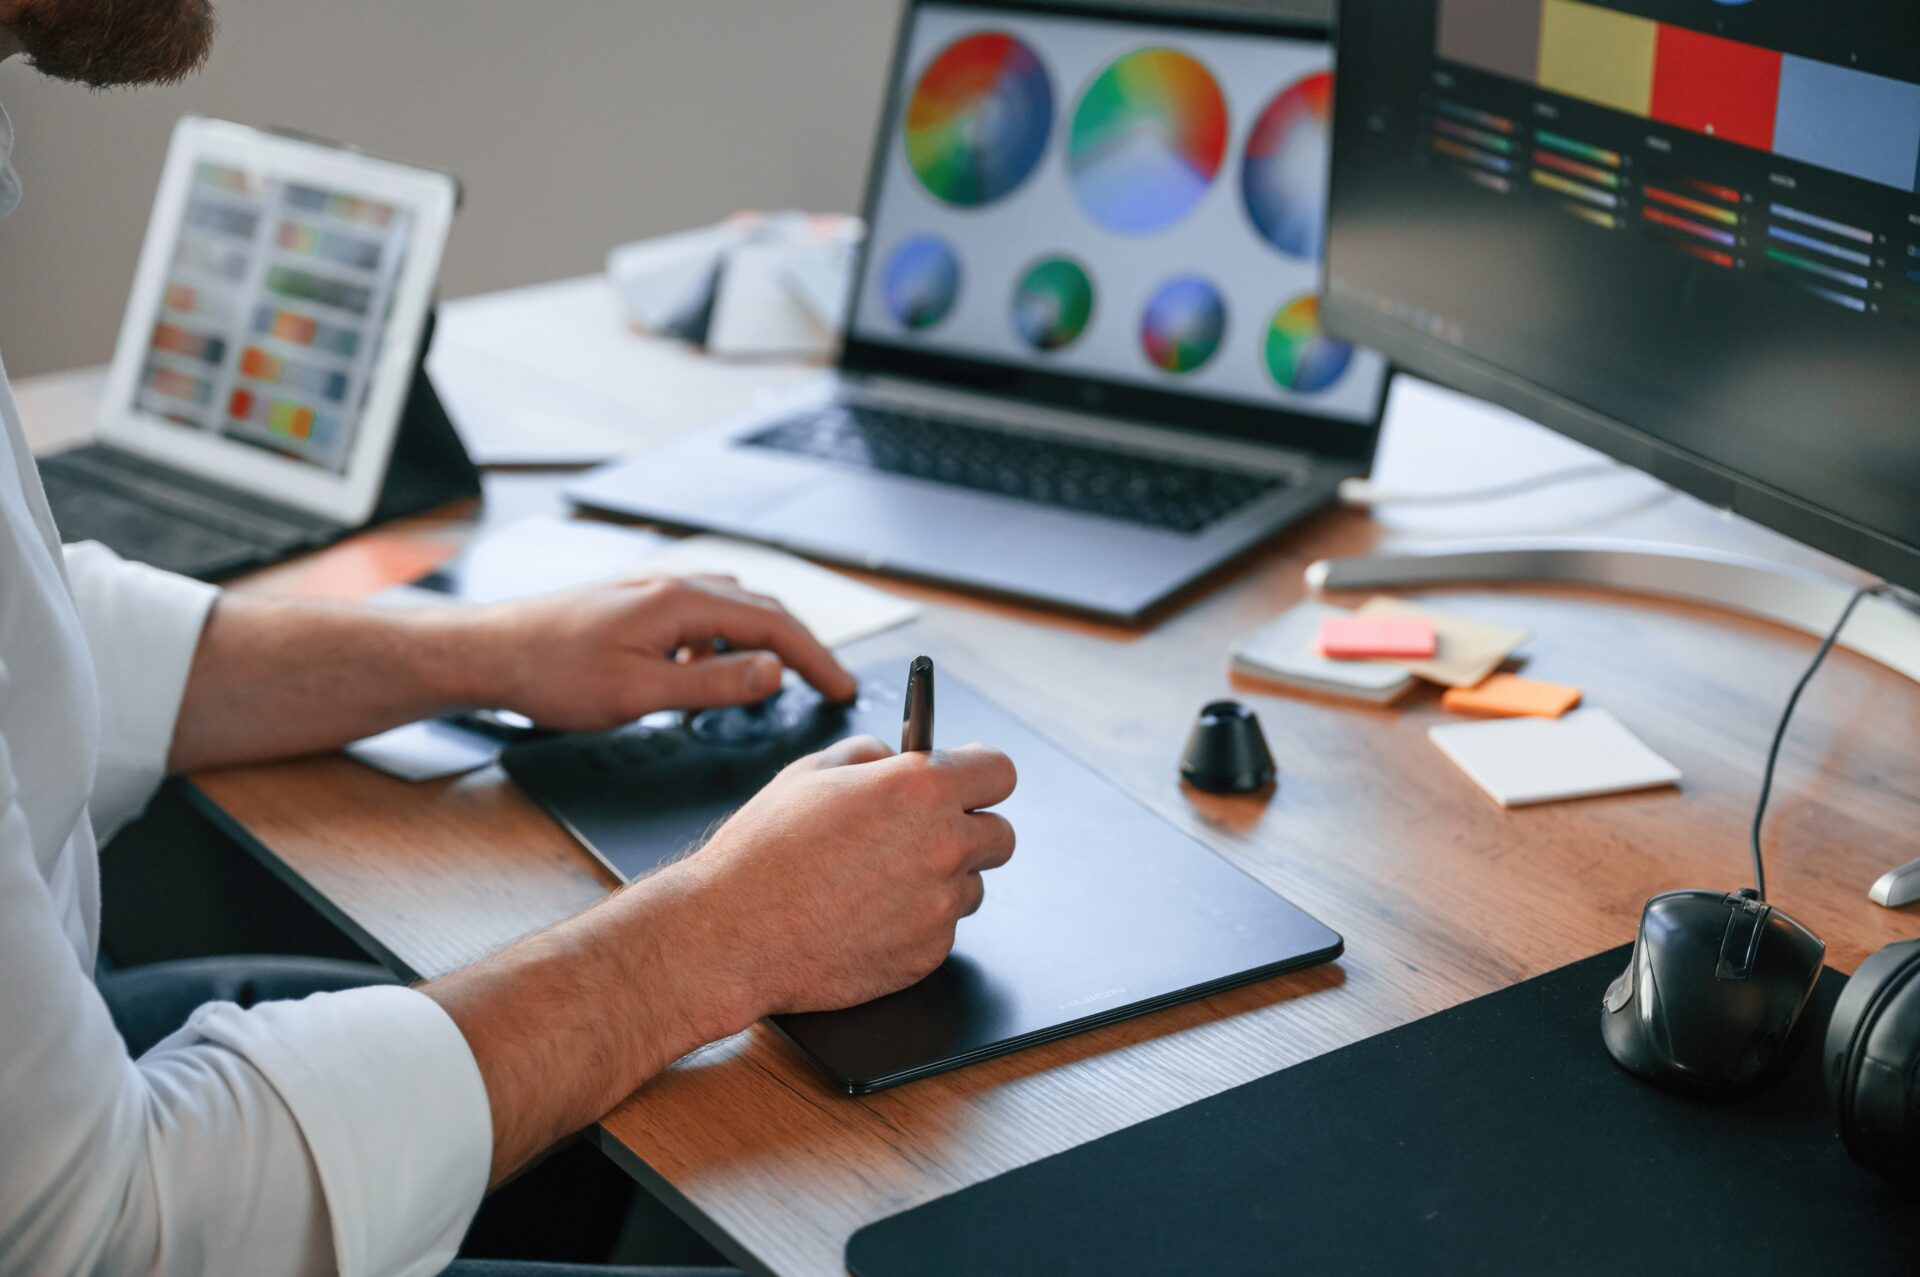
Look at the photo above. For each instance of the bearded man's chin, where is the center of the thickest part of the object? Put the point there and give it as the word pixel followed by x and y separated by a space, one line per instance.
pixel 113 42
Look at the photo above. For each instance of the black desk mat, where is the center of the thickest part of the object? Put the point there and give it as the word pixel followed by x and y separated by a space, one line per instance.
pixel 1495 1137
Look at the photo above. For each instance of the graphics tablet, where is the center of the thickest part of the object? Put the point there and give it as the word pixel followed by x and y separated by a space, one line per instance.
pixel 1105 912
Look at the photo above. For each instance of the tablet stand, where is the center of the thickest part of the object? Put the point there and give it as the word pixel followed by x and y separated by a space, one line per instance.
pixel 430 466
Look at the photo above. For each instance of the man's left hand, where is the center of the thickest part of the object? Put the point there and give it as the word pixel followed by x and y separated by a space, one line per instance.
pixel 593 658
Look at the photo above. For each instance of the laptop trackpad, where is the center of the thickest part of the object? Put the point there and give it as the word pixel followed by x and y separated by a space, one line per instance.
pixel 877 522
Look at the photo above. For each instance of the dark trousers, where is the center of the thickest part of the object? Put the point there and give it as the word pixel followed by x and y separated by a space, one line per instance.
pixel 150 1002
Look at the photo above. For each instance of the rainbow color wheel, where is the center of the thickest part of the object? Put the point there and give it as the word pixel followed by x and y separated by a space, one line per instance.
pixel 1284 175
pixel 921 281
pixel 1183 324
pixel 1053 304
pixel 1300 357
pixel 1148 139
pixel 978 120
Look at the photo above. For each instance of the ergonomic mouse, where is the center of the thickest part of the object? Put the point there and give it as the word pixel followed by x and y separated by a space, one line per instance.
pixel 1710 998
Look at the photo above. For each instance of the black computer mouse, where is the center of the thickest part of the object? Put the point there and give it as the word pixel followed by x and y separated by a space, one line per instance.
pixel 1710 998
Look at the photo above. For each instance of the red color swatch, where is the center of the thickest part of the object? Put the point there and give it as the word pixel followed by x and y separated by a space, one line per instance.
pixel 1394 638
pixel 1718 87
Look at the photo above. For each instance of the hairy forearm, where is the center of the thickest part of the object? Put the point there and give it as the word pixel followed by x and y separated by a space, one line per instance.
pixel 567 1023
pixel 274 678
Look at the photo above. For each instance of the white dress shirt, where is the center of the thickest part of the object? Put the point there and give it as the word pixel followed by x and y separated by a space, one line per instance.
pixel 349 1131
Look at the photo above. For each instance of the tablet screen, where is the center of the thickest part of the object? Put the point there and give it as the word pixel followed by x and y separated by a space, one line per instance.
pixel 271 316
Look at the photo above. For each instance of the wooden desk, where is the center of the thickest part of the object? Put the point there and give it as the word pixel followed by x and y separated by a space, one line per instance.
pixel 1441 896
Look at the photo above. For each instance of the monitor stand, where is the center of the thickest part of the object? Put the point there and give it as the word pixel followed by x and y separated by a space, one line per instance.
pixel 1884 628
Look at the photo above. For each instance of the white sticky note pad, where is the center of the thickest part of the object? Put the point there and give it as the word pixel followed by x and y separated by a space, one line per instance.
pixel 429 750
pixel 1521 761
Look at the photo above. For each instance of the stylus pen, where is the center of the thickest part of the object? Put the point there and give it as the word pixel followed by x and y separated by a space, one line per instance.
pixel 916 726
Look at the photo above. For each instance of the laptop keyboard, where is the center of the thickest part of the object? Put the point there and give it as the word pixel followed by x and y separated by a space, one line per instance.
pixel 1139 488
pixel 170 527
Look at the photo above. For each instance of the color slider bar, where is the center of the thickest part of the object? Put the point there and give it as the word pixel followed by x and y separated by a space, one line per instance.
pixel 1660 217
pixel 1467 155
pixel 1555 182
pixel 1816 268
pixel 1786 236
pixel 1712 212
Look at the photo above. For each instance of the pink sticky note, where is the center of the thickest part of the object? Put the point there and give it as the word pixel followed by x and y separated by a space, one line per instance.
pixel 1391 638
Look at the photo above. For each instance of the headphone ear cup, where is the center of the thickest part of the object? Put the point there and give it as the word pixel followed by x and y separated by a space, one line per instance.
pixel 1873 1061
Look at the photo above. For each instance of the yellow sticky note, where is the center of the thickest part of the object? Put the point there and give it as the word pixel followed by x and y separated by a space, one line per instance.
pixel 1510 696
pixel 1467 650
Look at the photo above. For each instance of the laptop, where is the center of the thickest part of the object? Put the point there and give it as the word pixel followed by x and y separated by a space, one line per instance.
pixel 267 356
pixel 1083 363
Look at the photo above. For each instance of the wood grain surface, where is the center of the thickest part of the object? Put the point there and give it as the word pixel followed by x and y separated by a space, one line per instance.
pixel 1441 895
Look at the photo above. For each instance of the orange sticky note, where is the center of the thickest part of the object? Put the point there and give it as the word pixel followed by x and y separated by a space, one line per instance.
pixel 1359 638
pixel 1510 696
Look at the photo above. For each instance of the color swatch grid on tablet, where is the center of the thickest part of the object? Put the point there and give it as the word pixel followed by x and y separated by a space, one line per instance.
pixel 1634 128
pixel 271 317
pixel 1126 200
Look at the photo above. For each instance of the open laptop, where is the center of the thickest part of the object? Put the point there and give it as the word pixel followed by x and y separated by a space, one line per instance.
pixel 267 355
pixel 1083 363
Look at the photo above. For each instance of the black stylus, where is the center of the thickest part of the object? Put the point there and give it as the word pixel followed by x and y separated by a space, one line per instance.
pixel 916 726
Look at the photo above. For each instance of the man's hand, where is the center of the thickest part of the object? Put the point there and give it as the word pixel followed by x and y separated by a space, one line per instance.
pixel 273 678
pixel 843 880
pixel 596 657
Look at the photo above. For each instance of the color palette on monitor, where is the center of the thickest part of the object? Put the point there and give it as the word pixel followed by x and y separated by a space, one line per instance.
pixel 1053 304
pixel 921 282
pixel 1284 174
pixel 1833 117
pixel 1181 328
pixel 1148 138
pixel 978 120
pixel 1300 356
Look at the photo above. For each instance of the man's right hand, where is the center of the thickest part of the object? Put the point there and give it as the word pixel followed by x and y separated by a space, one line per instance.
pixel 844 878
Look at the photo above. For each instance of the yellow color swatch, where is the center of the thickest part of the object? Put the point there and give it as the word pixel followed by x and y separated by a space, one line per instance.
pixel 1597 54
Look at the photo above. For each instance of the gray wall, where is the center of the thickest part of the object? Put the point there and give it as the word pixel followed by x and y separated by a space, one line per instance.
pixel 574 124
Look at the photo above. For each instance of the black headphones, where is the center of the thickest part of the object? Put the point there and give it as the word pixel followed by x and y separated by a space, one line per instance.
pixel 1873 1062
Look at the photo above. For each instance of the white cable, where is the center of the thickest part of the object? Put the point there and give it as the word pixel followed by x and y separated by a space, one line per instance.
pixel 1364 494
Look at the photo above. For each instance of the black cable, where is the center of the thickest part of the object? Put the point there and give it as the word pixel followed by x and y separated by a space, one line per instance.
pixel 1780 732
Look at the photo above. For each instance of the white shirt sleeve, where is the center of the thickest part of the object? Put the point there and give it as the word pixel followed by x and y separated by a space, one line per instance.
pixel 142 627
pixel 348 1131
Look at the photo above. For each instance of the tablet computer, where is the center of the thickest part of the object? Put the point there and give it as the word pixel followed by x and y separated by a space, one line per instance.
pixel 276 316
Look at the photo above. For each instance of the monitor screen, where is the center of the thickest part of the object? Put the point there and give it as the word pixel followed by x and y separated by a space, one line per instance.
pixel 1687 231
pixel 1126 203
pixel 268 327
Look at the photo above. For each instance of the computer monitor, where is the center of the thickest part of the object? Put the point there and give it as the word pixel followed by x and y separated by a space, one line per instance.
pixel 1684 232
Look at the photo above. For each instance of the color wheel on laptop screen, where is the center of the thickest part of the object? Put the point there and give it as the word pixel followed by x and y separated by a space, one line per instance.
pixel 1053 303
pixel 921 282
pixel 1183 324
pixel 1148 139
pixel 978 120
pixel 1299 355
pixel 1284 175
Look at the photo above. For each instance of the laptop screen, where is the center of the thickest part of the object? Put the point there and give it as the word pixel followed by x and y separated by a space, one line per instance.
pixel 1119 202
pixel 270 323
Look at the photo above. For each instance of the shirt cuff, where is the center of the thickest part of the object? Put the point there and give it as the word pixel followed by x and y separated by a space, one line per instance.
pixel 393 1109
pixel 142 628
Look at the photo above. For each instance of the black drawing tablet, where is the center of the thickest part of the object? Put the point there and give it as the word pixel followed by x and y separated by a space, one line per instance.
pixel 1105 912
